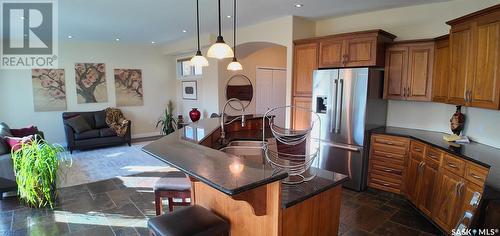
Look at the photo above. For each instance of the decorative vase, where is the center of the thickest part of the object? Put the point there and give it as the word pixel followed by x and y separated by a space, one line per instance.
pixel 194 114
pixel 457 121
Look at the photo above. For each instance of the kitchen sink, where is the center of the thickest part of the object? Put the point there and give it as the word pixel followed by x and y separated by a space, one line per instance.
pixel 245 143
pixel 248 150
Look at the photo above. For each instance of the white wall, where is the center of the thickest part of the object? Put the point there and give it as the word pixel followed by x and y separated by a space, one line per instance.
pixel 422 21
pixel 17 107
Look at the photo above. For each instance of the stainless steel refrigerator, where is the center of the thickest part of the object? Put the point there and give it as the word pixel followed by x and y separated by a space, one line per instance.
pixel 349 102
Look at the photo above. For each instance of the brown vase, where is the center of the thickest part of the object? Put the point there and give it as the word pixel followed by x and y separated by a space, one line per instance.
pixel 457 121
pixel 194 114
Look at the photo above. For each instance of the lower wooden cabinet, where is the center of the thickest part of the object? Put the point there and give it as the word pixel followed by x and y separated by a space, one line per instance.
pixel 444 187
pixel 301 119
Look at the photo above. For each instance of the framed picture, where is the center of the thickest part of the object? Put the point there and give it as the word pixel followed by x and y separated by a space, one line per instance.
pixel 189 90
pixel 188 70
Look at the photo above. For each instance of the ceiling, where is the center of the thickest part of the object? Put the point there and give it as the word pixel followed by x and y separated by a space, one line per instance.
pixel 161 21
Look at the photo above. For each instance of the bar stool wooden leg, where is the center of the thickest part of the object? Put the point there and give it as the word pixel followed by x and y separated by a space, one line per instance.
pixel 170 204
pixel 158 203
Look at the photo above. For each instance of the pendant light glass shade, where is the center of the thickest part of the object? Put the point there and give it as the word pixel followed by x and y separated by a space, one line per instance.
pixel 220 49
pixel 235 65
pixel 198 59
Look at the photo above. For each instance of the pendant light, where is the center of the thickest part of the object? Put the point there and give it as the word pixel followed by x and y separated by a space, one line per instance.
pixel 220 49
pixel 198 59
pixel 234 65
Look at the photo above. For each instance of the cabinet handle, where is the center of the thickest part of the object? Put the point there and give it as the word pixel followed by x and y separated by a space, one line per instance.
pixel 456 188
pixel 470 95
pixel 389 171
pixel 388 143
pixel 452 166
pixel 417 149
pixel 475 176
pixel 466 98
pixel 388 185
pixel 460 188
pixel 433 157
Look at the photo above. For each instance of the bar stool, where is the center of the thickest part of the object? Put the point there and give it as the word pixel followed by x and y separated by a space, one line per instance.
pixel 174 185
pixel 192 220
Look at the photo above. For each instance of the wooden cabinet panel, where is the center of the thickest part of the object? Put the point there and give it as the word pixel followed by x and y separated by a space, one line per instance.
pixel 305 61
pixel 420 64
pixel 301 119
pixel 454 164
pixel 427 187
pixel 412 178
pixel 475 174
pixel 447 199
pixel 361 51
pixel 331 53
pixel 460 64
pixel 395 73
pixel 441 75
pixel 485 90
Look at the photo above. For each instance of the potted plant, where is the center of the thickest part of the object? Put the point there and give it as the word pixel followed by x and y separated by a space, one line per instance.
pixel 167 122
pixel 36 165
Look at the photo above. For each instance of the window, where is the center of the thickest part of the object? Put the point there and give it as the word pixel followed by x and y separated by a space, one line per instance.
pixel 186 69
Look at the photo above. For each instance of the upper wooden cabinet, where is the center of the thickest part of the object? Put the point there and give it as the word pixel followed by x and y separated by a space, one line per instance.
pixel 356 49
pixel 409 70
pixel 441 74
pixel 305 61
pixel 475 59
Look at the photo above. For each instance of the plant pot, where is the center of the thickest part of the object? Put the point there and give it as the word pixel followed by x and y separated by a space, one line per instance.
pixel 194 114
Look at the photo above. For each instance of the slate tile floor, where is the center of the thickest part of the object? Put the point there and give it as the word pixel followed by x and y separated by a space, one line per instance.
pixel 121 206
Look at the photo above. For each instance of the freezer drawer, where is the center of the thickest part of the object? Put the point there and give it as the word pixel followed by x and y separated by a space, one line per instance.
pixel 344 159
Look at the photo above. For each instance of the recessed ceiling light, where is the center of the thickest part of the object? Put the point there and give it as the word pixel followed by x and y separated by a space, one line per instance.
pixel 184 31
pixel 298 5
pixel 229 16
pixel 117 39
pixel 153 42
pixel 22 18
pixel 70 37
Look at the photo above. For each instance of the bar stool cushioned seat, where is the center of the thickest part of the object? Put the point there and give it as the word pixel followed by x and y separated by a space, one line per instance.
pixel 173 184
pixel 192 220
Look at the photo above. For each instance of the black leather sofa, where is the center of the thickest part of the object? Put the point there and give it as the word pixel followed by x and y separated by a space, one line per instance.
pixel 99 136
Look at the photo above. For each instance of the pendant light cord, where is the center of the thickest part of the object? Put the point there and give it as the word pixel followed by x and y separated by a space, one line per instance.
pixel 220 33
pixel 198 22
pixel 234 29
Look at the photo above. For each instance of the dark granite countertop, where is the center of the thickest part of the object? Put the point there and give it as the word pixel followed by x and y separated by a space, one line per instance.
pixel 324 180
pixel 476 152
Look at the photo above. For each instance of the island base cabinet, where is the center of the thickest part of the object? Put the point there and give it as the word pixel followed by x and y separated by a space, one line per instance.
pixel 448 200
pixel 259 211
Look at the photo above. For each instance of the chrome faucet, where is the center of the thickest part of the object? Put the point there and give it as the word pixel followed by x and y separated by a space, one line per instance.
pixel 222 123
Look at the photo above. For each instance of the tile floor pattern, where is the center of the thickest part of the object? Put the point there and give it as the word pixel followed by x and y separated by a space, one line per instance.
pixel 111 208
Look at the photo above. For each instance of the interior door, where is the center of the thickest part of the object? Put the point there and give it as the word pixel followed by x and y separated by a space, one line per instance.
pixel 264 87
pixel 278 94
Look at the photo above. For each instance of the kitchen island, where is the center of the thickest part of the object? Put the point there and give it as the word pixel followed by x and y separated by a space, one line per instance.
pixel 248 193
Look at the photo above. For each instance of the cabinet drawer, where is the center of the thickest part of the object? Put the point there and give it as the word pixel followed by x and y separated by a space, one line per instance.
pixel 434 155
pixel 417 148
pixel 391 140
pixel 384 183
pixel 385 167
pixel 387 177
pixel 387 159
pixel 454 164
pixel 475 174
pixel 389 153
pixel 398 151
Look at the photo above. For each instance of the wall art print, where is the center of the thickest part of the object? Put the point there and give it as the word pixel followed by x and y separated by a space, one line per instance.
pixel 91 82
pixel 49 89
pixel 128 87
pixel 189 90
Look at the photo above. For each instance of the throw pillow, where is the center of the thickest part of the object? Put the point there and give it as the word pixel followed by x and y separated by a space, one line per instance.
pixel 15 143
pixel 78 123
pixel 23 132
pixel 100 120
pixel 4 130
pixel 4 147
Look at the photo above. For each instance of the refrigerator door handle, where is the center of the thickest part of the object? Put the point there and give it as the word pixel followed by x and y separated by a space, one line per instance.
pixel 333 120
pixel 338 118
pixel 344 147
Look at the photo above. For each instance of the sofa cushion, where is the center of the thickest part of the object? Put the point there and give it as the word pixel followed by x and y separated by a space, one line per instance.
pixel 15 143
pixel 4 147
pixel 100 120
pixel 23 132
pixel 6 167
pixel 107 132
pixel 5 130
pixel 94 133
pixel 78 124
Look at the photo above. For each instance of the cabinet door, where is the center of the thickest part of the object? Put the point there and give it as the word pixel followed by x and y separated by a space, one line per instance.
pixel 304 63
pixel 420 64
pixel 301 119
pixel 395 73
pixel 426 194
pixel 331 53
pixel 448 201
pixel 441 76
pixel 412 178
pixel 485 90
pixel 361 51
pixel 460 64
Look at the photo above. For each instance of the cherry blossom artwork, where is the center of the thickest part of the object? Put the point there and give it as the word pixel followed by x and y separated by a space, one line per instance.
pixel 128 87
pixel 49 89
pixel 91 82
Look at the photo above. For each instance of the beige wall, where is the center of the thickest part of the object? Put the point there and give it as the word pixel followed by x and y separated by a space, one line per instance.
pixel 422 21
pixel 16 94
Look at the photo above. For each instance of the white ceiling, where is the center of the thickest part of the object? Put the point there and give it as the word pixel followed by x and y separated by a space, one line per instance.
pixel 143 21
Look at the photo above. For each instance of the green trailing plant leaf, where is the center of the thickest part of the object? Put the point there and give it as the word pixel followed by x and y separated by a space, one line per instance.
pixel 36 166
pixel 167 123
